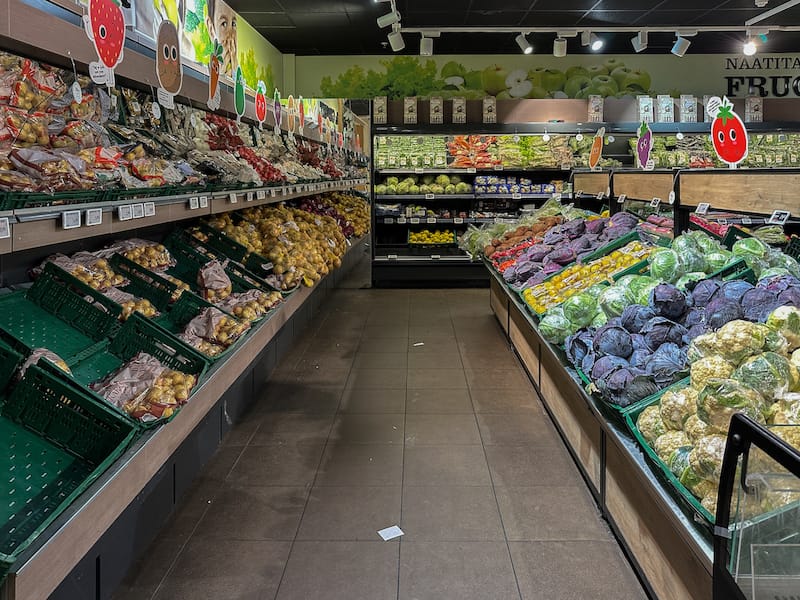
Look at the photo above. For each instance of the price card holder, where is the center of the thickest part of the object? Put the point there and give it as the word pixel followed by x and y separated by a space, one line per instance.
pixel 600 196
pixel 431 220
pixel 419 170
pixel 233 198
pixel 499 168
pixel 458 221
pixel 124 212
pixel 194 203
pixel 137 210
pixel 203 201
pixel 402 220
pixel 702 208
pixel 94 216
pixel 414 221
pixel 722 221
pixel 779 217
pixel 430 197
pixel 579 193
pixel 747 221
pixel 71 219
pixel 392 257
pixel 436 256
pixel 472 170
pixel 273 192
pixel 621 198
pixel 249 197
pixel 261 195
pixel 5 228
pixel 516 196
pixel 655 202
pixel 389 220
pixel 149 209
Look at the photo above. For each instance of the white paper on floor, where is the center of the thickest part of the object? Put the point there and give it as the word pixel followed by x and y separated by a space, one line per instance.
pixel 390 533
pixel 419 344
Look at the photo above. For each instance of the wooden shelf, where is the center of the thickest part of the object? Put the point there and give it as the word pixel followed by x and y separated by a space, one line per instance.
pixel 591 183
pixel 644 185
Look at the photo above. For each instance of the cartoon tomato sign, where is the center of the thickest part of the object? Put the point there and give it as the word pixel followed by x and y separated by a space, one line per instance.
pixel 644 145
pixel 105 26
pixel 728 133
pixel 261 103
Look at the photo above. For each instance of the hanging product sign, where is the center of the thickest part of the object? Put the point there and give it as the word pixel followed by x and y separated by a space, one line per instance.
pixel 410 111
pixel 644 145
pixel 105 26
pixel 596 152
pixel 214 66
pixel 278 111
pixel 380 110
pixel 238 94
pixel 688 109
pixel 261 103
pixel 459 111
pixel 169 68
pixel 728 133
pixel 490 109
pixel 291 114
pixel 301 110
pixel 437 110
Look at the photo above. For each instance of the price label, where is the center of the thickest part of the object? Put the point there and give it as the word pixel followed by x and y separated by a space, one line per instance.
pixel 194 203
pixel 389 220
pixel 516 196
pixel 261 195
pixel 621 198
pixel 600 196
pixel 500 168
pixel 722 221
pixel 429 197
pixel 431 220
pixel 273 192
pixel 436 256
pixel 249 197
pixel 402 220
pixel 149 209
pixel 779 217
pixel 5 228
pixel 419 170
pixel 94 216
pixel 671 198
pixel 77 92
pixel 472 170
pixel 203 201
pixel 747 221
pixel 414 221
pixel 655 202
pixel 124 212
pixel 458 221
pixel 579 193
pixel 233 198
pixel 71 219
pixel 392 257
pixel 137 210
pixel 498 220
pixel 702 208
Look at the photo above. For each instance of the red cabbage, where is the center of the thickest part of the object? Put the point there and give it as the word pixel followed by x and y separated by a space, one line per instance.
pixel 588 362
pixel 639 342
pixel 668 301
pixel 704 291
pixel 667 364
pixel 605 364
pixel 624 386
pixel 659 330
pixel 640 357
pixel 613 340
pixel 635 316
pixel 694 316
pixel 624 219
pixel 578 345
pixel 733 290
pixel 758 303
pixel 778 283
pixel 790 296
pixel 574 228
pixel 720 311
pixel 562 256
pixel 614 232
pixel 596 226
pixel 695 331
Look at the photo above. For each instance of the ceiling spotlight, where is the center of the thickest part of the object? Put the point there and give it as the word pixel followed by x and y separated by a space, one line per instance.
pixel 523 44
pixel 426 46
pixel 560 47
pixel 396 40
pixel 596 43
pixel 389 19
pixel 749 48
pixel 680 46
pixel 639 42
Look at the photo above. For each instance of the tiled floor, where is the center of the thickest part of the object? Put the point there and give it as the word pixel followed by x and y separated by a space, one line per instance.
pixel 363 427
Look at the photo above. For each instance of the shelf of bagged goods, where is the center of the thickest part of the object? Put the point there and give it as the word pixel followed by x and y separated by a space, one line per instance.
pixel 60 548
pixel 42 226
pixel 466 171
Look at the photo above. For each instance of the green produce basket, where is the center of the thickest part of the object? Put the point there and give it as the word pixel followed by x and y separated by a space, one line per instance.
pixel 227 247
pixel 11 357
pixel 793 248
pixel 73 439
pixel 17 200
pixel 55 315
pixel 688 501
pixel 144 283
pixel 733 235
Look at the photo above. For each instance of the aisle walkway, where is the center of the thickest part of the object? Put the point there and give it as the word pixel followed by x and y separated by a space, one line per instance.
pixel 397 408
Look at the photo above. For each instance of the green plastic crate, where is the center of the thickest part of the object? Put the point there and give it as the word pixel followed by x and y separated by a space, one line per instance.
pixel 793 248
pixel 58 441
pixel 143 282
pixel 10 360
pixel 733 235
pixel 17 200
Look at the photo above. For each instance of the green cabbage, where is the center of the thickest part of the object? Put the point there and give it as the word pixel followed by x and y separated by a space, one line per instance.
pixel 580 309
pixel 786 321
pixel 613 301
pixel 717 260
pixel 692 260
pixel 600 319
pixel 639 289
pixel 720 399
pixel 555 327
pixel 689 278
pixel 750 247
pixel 665 266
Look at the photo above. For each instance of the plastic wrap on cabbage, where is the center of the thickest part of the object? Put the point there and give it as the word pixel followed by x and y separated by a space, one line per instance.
pixel 577 346
pixel 613 301
pixel 721 311
pixel 474 240
pixel 668 443
pixel 717 260
pixel 681 467
pixel 784 261
pixel 720 399
pixel 769 373
pixel 706 458
pixel 786 321
pixel 613 340
pixel 580 309
pixel 692 260
pixel 703 488
pixel 668 301
pixel 667 364
pixel 795 358
pixel 625 385
pixel 555 327
pixel 677 405
pixel 695 427
pixel 702 346
pixel 650 424
pixel 750 247
pixel 600 319
pixel 665 265
pixel 635 317
pixel 709 368
pixel 702 240
pixel 704 291
pixel 659 330
pixel 709 502
pixel 758 303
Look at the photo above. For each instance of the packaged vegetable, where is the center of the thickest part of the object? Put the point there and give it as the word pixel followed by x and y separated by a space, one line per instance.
pixel 213 281
pixel 720 399
pixel 677 406
pixel 47 355
pixel 650 424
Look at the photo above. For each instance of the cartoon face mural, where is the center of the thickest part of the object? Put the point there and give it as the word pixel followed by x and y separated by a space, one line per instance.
pixel 168 58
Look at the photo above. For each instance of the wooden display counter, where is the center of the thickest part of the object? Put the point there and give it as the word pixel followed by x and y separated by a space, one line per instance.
pixel 668 550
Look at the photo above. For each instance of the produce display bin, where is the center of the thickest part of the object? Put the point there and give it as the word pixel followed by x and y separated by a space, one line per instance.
pixel 18 200
pixel 144 283
pixel 793 248
pixel 443 245
pixel 733 235
pixel 10 360
pixel 74 440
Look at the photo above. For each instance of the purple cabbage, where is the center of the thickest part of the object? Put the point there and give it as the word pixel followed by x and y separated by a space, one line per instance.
pixel 624 386
pixel 613 340
pixel 574 228
pixel 704 291
pixel 554 236
pixel 733 290
pixel 659 330
pixel 605 364
pixel 668 301
pixel 778 283
pixel 639 342
pixel 695 331
pixel 588 362
pixel 596 226
pixel 694 316
pixel 578 345
pixel 538 252
pixel 614 232
pixel 624 219
pixel 561 256
pixel 635 316
pixel 758 303
pixel 667 364
pixel 720 311
pixel 790 296
pixel 640 357
pixel 581 243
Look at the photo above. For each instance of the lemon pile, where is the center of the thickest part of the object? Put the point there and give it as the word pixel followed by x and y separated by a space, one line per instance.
pixel 579 277
pixel 431 237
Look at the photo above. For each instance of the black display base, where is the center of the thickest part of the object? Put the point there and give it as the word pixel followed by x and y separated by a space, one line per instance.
pixel 428 274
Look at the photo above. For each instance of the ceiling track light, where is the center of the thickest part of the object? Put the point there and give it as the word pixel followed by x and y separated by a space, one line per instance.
pixel 595 43
pixel 586 38
pixel 426 46
pixel 560 47
pixel 523 44
pixel 639 41
pixel 389 19
pixel 396 40
pixel 680 46
pixel 749 48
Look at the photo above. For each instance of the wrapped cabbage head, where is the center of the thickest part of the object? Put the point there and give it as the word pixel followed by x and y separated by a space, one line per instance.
pixel 677 405
pixel 665 265
pixel 692 260
pixel 681 467
pixel 668 442
pixel 580 309
pixel 650 424
pixel 720 399
pixel 786 411
pixel 708 368
pixel 738 340
pixel 786 321
pixel 613 301
pixel 706 458
pixel 769 373
pixel 695 427
pixel 750 247
pixel 639 288
pixel 717 260
pixel 600 319
pixel 555 327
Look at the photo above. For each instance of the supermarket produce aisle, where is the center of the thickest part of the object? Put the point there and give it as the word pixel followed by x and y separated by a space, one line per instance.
pixel 398 407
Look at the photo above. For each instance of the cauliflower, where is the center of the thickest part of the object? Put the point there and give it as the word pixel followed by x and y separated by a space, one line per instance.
pixel 737 340
pixel 769 373
pixel 795 360
pixel 668 442
pixel 695 428
pixel 677 406
pixel 706 458
pixel 721 398
pixel 710 367
pixel 650 424
pixel 710 503
pixel 702 346
pixel 703 488
pixel 786 320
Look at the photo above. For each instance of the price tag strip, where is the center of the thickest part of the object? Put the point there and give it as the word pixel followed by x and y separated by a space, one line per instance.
pixel 654 203
pixel 779 217
pixel 71 219
pixel 149 209
pixel 94 216
pixel 124 212
pixel 194 203
pixel 137 210
pixel 203 201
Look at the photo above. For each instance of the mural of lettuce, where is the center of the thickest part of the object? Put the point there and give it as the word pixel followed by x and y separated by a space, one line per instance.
pixel 409 76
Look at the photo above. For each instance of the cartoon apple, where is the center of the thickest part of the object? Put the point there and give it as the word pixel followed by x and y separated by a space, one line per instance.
pixel 238 92
pixel 728 134
pixel 107 31
pixel 644 145
pixel 261 102
pixel 214 63
pixel 168 58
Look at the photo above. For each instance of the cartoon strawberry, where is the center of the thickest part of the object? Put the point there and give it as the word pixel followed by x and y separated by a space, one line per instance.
pixel 728 135
pixel 644 145
pixel 597 148
pixel 261 102
pixel 214 62
pixel 108 30
pixel 301 113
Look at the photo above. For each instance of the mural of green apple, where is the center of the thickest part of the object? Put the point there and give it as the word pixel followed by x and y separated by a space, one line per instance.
pixel 631 79
pixel 493 80
pixel 603 85
pixel 612 63
pixel 504 95
pixel 472 80
pixel 596 70
pixel 538 93
pixel 453 75
pixel 575 84
pixel 518 84
pixel 576 71
pixel 553 80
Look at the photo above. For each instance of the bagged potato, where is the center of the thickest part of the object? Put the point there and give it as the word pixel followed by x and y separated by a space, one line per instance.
pixel 214 281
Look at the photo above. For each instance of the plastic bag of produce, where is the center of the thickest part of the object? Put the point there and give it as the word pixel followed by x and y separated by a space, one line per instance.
pixel 750 247
pixel 613 301
pixel 555 327
pixel 214 281
pixel 47 355
pixel 769 373
pixel 639 289
pixel 720 399
pixel 677 405
pixel 250 305
pixel 706 458
pixel 650 424
pixel 216 327
pixel 786 321
pixel 150 255
pixel 129 381
pixel 695 427
pixel 665 266
pixel 669 442
pixel 130 303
